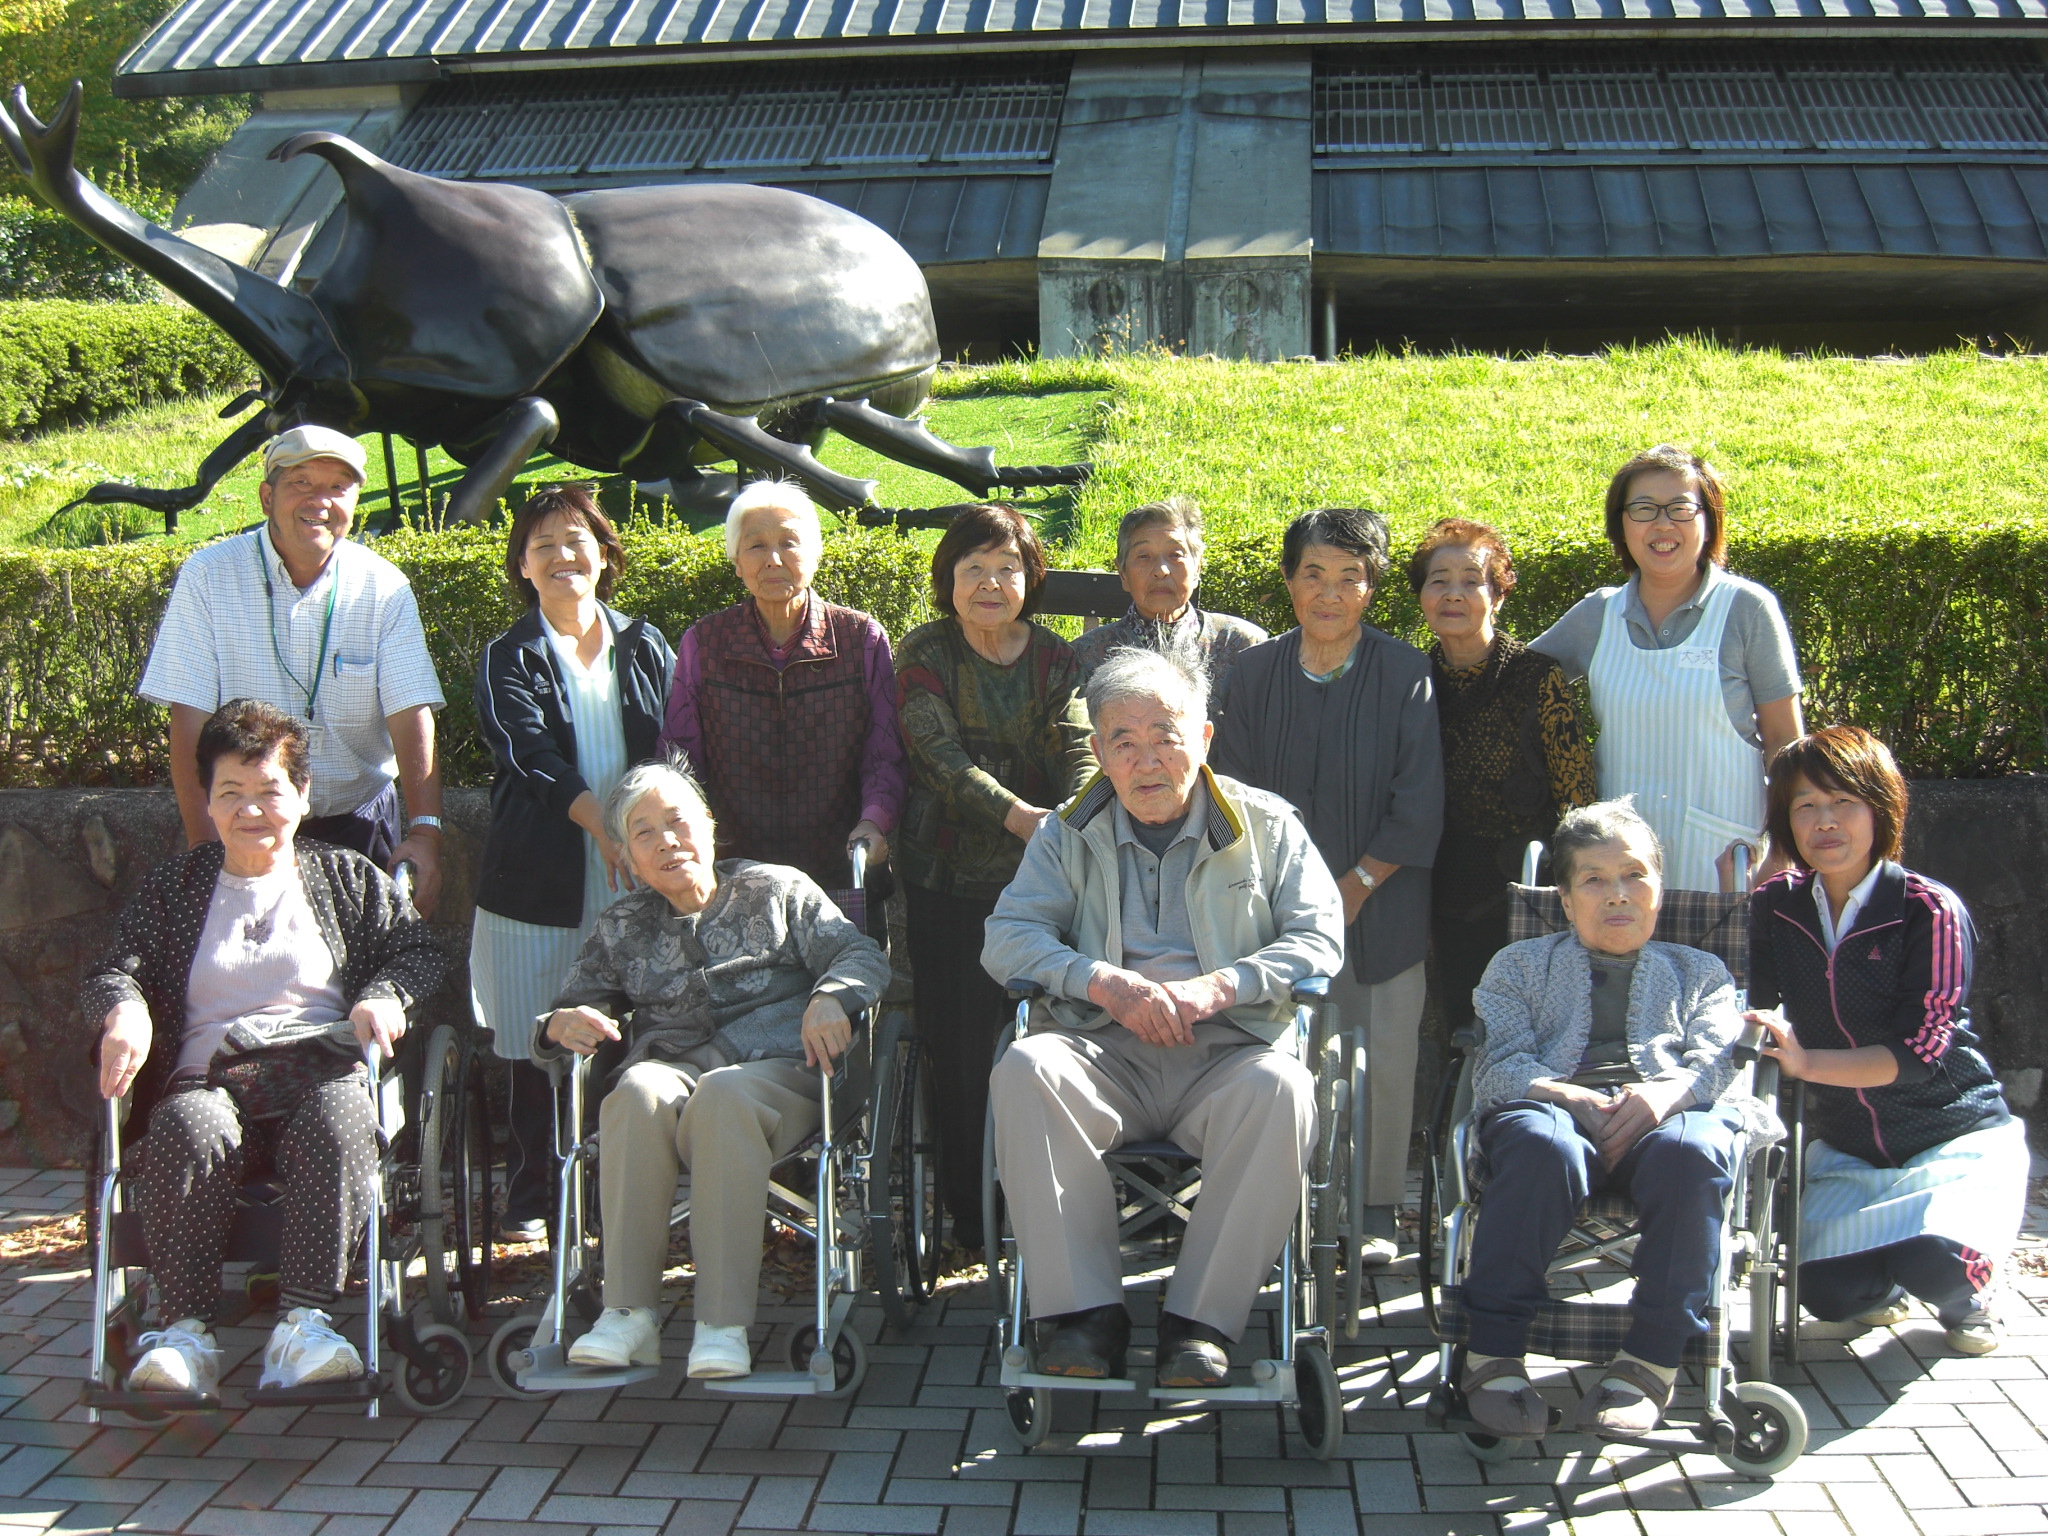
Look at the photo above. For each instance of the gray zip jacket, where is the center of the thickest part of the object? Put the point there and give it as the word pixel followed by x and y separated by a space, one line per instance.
pixel 1260 902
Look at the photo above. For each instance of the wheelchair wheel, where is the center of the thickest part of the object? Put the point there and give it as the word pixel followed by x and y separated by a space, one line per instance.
pixel 1491 1449
pixel 440 1381
pixel 1030 1411
pixel 904 1214
pixel 849 1357
pixel 455 1180
pixel 1770 1429
pixel 514 1335
pixel 1319 1400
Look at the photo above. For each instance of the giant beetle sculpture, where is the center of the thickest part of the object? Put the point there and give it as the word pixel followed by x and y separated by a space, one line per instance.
pixel 639 330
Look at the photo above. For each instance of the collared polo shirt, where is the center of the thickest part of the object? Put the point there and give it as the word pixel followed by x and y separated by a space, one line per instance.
pixel 1159 942
pixel 1831 930
pixel 221 640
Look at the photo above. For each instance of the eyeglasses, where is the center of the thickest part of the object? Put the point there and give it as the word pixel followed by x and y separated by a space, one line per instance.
pixel 1683 510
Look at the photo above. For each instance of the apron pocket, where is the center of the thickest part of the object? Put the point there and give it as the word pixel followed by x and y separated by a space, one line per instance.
pixel 1702 842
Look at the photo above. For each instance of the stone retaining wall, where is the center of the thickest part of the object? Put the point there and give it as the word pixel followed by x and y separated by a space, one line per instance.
pixel 69 858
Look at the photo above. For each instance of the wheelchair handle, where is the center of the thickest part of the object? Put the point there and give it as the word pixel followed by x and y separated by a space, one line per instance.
pixel 857 856
pixel 1532 862
pixel 407 878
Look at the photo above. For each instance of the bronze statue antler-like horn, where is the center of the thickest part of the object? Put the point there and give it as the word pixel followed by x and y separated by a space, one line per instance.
pixel 282 331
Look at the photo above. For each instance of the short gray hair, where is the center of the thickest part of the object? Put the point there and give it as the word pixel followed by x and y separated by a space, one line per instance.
pixel 767 495
pixel 1604 821
pixel 672 774
pixel 1130 672
pixel 1176 512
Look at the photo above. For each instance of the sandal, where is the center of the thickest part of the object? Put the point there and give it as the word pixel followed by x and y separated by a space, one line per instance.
pixel 1627 1412
pixel 1518 1415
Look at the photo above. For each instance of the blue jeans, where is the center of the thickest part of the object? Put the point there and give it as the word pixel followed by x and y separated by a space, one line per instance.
pixel 1541 1168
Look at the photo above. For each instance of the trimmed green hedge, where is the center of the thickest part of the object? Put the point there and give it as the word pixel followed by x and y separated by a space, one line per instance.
pixel 1937 639
pixel 65 361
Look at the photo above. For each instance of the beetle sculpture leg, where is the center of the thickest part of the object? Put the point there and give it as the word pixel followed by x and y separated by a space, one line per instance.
pixel 911 442
pixel 241 442
pixel 512 438
pixel 747 441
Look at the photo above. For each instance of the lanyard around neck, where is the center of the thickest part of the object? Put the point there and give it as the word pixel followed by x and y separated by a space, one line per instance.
pixel 270 623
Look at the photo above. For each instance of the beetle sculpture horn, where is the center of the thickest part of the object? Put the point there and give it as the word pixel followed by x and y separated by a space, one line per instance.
pixel 282 331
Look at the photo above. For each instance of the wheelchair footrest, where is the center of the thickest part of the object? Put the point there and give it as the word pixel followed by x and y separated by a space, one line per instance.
pixel 1016 1378
pixel 1272 1381
pixel 768 1384
pixel 361 1389
pixel 552 1372
pixel 123 1401
pixel 1459 1421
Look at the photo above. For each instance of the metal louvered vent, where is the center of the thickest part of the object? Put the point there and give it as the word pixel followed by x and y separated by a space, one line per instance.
pixel 775 118
pixel 1855 96
pixel 1489 109
pixel 1856 108
pixel 1611 109
pixel 1375 114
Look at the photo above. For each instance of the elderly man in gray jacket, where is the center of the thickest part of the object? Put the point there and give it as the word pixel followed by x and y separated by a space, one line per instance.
pixel 1167 913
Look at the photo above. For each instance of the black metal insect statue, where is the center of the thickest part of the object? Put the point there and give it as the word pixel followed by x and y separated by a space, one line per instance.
pixel 639 330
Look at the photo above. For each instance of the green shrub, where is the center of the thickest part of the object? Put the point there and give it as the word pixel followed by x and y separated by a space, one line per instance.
pixel 43 255
pixel 64 361
pixel 1932 637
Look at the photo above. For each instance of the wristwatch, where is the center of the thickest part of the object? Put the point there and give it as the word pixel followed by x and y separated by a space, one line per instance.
pixel 424 821
pixel 1366 877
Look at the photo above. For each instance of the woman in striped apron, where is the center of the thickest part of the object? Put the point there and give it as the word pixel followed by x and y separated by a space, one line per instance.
pixel 1691 669
pixel 1916 1172
pixel 568 698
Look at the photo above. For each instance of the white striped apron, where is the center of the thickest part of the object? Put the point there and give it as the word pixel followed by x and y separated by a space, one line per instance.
pixel 1666 738
pixel 515 969
pixel 1971 1190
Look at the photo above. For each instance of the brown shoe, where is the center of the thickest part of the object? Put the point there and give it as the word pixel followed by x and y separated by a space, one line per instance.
pixel 1191 1355
pixel 1088 1344
pixel 1624 1412
pixel 1518 1415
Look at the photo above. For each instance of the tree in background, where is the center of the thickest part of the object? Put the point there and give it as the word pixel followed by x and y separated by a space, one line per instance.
pixel 46 44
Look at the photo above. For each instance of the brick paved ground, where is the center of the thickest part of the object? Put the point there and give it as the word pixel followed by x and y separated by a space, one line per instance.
pixel 1909 1440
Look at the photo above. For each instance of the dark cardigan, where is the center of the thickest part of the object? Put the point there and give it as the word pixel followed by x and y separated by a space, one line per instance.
pixel 1900 979
pixel 532 868
pixel 381 945
pixel 1362 759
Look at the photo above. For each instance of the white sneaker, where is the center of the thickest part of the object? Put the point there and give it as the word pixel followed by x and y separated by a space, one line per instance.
pixel 720 1353
pixel 180 1358
pixel 304 1349
pixel 1978 1334
pixel 622 1336
pixel 1890 1315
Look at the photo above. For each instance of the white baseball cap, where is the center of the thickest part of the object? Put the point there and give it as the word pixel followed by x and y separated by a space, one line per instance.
pixel 305 443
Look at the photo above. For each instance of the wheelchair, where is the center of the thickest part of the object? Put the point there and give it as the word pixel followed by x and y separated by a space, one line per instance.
pixel 1753 1425
pixel 432 1186
pixel 1158 1181
pixel 871 1198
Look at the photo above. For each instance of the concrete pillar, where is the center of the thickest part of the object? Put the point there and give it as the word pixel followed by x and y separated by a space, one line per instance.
pixel 1179 211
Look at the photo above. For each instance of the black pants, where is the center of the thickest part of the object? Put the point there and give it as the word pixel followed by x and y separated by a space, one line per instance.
pixel 196 1157
pixel 371 829
pixel 1945 1275
pixel 1461 948
pixel 960 1011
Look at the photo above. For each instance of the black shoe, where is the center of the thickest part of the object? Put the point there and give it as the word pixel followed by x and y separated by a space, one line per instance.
pixel 1191 1354
pixel 1089 1344
pixel 522 1229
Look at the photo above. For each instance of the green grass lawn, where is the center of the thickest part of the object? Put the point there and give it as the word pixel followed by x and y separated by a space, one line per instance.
pixel 1950 440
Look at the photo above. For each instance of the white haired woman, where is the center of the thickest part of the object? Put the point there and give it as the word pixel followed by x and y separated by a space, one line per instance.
pixel 740 980
pixel 785 704
pixel 1606 1064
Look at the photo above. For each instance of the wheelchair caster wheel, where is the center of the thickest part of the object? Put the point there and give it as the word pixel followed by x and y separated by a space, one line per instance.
pixel 440 1382
pixel 1491 1449
pixel 1319 1400
pixel 513 1337
pixel 1770 1429
pixel 849 1357
pixel 1030 1410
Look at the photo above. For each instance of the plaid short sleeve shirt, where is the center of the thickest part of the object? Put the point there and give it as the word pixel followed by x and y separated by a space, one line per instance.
pixel 222 638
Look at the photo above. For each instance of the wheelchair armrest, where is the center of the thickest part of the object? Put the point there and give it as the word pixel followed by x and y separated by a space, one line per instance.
pixel 1464 1040
pixel 1022 990
pixel 1748 1045
pixel 1310 990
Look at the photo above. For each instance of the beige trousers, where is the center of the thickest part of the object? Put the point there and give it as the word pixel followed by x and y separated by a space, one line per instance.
pixel 1389 1014
pixel 1062 1099
pixel 728 1127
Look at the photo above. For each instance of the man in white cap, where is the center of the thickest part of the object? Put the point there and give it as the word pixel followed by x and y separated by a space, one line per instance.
pixel 297 614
